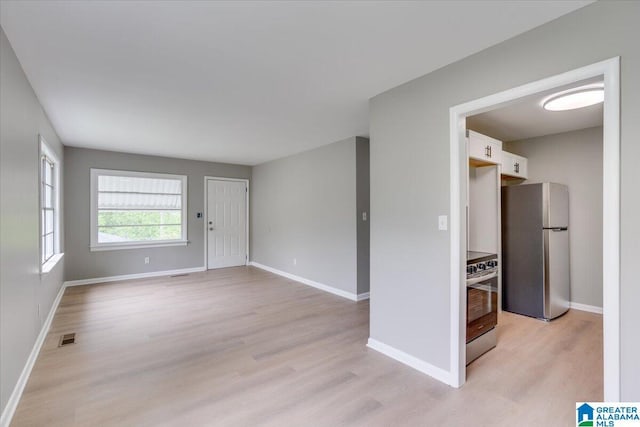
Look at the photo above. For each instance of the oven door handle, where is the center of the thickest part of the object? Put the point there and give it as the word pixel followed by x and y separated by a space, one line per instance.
pixel 475 280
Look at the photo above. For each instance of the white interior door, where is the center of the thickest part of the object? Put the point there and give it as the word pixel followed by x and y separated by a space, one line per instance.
pixel 226 223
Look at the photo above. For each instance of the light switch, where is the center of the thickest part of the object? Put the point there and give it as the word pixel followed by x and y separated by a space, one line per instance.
pixel 442 222
pixel 364 216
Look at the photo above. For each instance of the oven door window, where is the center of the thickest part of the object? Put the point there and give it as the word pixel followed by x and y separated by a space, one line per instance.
pixel 482 308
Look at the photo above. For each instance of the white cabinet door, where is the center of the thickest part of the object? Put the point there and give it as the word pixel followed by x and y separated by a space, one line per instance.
pixel 513 165
pixel 226 223
pixel 484 149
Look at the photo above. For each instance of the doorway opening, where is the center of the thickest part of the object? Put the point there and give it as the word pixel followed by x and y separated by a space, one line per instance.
pixel 608 72
pixel 226 222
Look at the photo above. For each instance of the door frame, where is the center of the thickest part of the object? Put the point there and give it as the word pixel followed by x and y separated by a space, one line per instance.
pixel 610 70
pixel 206 208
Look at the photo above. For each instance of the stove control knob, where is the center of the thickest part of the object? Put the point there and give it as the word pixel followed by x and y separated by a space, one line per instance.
pixel 481 266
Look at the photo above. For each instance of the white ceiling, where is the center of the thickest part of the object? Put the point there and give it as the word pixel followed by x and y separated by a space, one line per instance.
pixel 526 118
pixel 240 82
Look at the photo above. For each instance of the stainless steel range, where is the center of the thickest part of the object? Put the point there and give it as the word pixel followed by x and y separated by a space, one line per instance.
pixel 482 303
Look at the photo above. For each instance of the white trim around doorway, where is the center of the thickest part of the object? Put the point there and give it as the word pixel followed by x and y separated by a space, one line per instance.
pixel 204 222
pixel 610 69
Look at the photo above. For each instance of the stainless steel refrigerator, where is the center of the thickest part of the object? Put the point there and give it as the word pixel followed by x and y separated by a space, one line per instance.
pixel 535 250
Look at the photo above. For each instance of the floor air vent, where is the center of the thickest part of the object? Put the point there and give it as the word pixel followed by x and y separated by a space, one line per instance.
pixel 67 339
pixel 180 275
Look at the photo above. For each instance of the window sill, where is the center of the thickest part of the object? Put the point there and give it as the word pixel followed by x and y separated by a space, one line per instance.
pixel 137 245
pixel 48 266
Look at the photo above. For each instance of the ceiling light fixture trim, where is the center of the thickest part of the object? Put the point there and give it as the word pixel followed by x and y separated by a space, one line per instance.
pixel 575 98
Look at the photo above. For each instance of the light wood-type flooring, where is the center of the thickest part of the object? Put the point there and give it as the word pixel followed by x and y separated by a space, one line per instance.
pixel 243 347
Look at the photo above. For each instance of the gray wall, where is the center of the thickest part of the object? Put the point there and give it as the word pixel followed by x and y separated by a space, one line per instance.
pixel 362 205
pixel 304 207
pixel 25 296
pixel 574 159
pixel 410 175
pixel 83 264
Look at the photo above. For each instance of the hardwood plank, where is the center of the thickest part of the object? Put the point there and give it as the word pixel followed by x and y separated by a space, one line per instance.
pixel 241 346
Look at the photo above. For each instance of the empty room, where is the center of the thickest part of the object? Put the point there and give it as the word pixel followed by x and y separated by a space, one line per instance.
pixel 319 213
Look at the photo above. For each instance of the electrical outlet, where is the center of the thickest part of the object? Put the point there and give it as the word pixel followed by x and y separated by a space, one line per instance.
pixel 146 260
pixel 364 216
pixel 295 261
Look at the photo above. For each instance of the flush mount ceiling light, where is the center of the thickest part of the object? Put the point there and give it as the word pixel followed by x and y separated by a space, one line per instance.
pixel 578 98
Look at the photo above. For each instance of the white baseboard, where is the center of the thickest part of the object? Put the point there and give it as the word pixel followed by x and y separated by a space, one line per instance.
pixel 18 389
pixel 411 361
pixel 133 276
pixel 585 307
pixel 363 296
pixel 317 285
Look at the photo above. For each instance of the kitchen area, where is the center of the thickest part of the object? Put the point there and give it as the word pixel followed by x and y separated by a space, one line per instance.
pixel 483 275
pixel 534 221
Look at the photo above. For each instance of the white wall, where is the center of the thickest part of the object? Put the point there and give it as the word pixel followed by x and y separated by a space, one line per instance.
pixel 574 159
pixel 410 172
pixel 84 264
pixel 304 208
pixel 25 296
pixel 484 210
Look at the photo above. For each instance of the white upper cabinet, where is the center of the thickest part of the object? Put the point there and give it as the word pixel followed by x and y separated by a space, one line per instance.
pixel 514 166
pixel 483 150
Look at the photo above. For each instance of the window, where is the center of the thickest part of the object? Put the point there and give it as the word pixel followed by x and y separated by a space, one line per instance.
pixel 49 208
pixel 137 209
